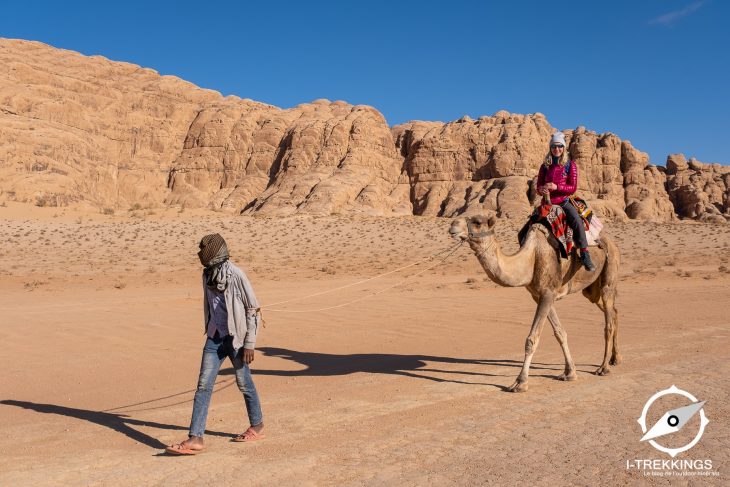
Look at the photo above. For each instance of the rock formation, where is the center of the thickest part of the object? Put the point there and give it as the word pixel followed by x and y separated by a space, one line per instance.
pixel 319 158
pixel 86 130
pixel 77 128
pixel 489 164
pixel 470 165
pixel 698 191
pixel 644 186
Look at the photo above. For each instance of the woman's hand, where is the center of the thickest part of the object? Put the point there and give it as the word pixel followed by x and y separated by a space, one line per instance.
pixel 542 190
pixel 551 186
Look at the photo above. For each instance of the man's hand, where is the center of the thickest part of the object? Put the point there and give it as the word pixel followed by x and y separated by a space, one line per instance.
pixel 248 355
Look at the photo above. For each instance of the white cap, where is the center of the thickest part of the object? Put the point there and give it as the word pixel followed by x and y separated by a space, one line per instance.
pixel 558 138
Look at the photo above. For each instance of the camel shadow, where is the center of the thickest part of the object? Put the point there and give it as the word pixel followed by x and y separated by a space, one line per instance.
pixel 414 366
pixel 557 368
pixel 117 422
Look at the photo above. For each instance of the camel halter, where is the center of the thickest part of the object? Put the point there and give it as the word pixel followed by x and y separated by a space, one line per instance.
pixel 474 234
pixel 483 234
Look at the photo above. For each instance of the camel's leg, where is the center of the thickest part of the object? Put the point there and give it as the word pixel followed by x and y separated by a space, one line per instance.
pixel 608 295
pixel 543 306
pixel 562 337
pixel 615 355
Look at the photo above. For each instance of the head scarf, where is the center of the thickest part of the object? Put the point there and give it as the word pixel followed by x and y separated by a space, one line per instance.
pixel 214 257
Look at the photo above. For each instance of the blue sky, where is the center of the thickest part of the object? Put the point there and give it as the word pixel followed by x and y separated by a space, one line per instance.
pixel 655 72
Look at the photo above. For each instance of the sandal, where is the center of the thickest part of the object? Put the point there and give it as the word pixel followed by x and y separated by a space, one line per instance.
pixel 249 435
pixel 182 448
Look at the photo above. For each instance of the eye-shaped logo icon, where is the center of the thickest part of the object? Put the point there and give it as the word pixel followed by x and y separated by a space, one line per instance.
pixel 672 421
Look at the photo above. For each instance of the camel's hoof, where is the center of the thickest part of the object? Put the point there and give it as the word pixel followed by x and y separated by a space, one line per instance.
pixel 615 360
pixel 603 370
pixel 518 387
pixel 568 376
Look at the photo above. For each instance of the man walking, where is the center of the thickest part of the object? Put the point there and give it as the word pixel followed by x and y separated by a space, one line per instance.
pixel 231 321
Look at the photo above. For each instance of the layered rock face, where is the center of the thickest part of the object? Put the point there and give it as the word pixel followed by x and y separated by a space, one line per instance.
pixel 699 191
pixel 79 129
pixel 319 158
pixel 490 164
pixel 471 165
pixel 76 128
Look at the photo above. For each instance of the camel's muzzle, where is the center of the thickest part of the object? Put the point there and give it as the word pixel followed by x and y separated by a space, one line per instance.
pixel 457 233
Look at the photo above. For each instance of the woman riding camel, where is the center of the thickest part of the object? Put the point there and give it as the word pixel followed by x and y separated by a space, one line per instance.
pixel 558 178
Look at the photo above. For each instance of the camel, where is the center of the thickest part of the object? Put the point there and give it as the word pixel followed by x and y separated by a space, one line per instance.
pixel 538 267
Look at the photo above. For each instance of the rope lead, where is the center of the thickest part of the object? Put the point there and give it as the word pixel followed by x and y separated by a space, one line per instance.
pixel 450 251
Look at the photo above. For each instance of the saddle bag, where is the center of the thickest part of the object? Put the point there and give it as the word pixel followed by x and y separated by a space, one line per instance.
pixel 582 207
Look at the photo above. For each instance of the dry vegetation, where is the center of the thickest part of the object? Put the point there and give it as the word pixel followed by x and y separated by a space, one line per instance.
pixel 127 248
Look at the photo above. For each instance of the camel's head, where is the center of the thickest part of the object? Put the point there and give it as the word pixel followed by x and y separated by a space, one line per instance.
pixel 475 229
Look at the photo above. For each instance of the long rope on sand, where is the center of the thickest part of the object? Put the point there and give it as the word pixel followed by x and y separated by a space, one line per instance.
pixel 450 251
pixel 221 385
pixel 225 384
pixel 430 257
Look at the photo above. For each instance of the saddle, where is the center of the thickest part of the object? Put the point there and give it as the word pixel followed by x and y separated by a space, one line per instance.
pixel 553 218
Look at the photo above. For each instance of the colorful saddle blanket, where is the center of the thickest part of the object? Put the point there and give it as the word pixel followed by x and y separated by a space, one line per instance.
pixel 553 218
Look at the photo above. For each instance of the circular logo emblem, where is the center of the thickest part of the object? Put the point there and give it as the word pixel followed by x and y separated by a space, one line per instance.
pixel 673 421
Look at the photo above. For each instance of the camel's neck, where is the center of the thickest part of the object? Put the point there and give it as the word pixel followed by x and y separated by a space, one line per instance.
pixel 507 270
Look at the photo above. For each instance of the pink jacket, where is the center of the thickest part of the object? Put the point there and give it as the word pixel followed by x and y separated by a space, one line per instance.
pixel 567 184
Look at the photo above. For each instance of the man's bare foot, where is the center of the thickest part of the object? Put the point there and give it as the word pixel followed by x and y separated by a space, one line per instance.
pixel 191 446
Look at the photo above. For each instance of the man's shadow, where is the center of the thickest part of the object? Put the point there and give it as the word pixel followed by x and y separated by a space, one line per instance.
pixel 325 365
pixel 118 422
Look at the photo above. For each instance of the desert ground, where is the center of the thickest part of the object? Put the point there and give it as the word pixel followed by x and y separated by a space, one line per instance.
pixel 101 328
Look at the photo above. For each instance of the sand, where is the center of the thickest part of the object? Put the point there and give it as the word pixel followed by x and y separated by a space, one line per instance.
pixel 102 332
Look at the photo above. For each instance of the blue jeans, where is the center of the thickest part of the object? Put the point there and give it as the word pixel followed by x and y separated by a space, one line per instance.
pixel 215 352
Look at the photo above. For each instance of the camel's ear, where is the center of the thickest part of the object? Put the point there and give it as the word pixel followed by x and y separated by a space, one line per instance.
pixel 491 221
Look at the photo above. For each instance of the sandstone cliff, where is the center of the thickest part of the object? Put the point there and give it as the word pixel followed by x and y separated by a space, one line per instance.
pixel 490 163
pixel 318 158
pixel 76 128
pixel 697 190
pixel 86 130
